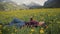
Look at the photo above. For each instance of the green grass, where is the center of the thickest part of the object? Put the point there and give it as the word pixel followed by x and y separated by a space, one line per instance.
pixel 50 16
pixel 6 17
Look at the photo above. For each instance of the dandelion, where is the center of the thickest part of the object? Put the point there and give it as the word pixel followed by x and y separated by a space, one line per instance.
pixel 8 29
pixel 15 30
pixel 32 30
pixel 12 33
pixel 48 14
pixel 30 33
pixel 54 15
pixel 41 31
pixel 0 32
pixel 46 26
pixel 0 26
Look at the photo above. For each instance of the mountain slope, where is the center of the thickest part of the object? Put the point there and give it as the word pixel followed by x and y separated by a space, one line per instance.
pixel 9 5
pixel 52 3
pixel 33 5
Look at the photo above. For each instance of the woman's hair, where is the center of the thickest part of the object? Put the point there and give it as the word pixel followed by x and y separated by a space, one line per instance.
pixel 31 18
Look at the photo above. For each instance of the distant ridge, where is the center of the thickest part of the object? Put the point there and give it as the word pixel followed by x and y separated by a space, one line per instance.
pixel 52 4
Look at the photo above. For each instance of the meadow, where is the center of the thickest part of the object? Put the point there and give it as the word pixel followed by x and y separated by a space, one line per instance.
pixel 51 16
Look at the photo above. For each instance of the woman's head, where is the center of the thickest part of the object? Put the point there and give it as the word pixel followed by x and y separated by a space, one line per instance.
pixel 31 18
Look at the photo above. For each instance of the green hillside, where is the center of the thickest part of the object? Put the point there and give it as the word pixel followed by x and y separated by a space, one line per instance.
pixel 6 6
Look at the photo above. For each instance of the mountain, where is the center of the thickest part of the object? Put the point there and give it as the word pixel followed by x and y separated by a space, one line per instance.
pixel 10 5
pixel 1 0
pixel 23 6
pixel 52 4
pixel 33 5
pixel 7 5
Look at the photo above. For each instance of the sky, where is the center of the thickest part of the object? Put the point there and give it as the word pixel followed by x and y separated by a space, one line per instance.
pixel 40 2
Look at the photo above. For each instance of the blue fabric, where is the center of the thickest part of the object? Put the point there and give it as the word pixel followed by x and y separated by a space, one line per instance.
pixel 17 22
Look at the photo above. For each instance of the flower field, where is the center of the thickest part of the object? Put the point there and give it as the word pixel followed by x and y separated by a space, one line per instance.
pixel 50 16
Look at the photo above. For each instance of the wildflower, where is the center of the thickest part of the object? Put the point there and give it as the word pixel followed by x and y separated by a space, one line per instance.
pixel 42 31
pixel 46 26
pixel 15 30
pixel 8 29
pixel 0 26
pixel 12 33
pixel 48 14
pixel 35 15
pixel 0 32
pixel 32 30
pixel 54 15
pixel 30 33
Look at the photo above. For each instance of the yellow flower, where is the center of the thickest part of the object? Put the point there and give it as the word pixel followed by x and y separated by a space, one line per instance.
pixel 12 33
pixel 32 30
pixel 8 29
pixel 54 15
pixel 0 32
pixel 48 14
pixel 0 26
pixel 42 30
pixel 35 15
pixel 30 33
pixel 46 26
pixel 15 30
